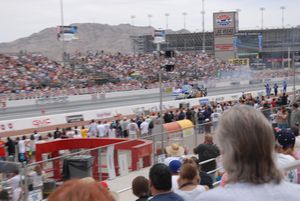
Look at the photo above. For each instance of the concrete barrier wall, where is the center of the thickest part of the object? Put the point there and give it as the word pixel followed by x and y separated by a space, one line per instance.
pixel 59 119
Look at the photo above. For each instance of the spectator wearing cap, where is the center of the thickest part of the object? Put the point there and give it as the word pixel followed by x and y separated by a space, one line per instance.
pixel 189 180
pixel 140 188
pixel 160 179
pixel 295 116
pixel 174 166
pixel 248 158
pixel 285 149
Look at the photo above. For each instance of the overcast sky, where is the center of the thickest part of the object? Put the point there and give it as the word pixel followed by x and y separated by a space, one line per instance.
pixel 20 18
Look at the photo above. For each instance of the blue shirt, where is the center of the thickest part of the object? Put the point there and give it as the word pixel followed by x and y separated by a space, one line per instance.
pixel 171 196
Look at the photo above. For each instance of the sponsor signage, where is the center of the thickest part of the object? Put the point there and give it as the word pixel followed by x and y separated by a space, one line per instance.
pixel 224 47
pixel 239 62
pixel 7 126
pixel 159 36
pixel 41 122
pixel 52 100
pixel 74 118
pixel 104 115
pixel 224 32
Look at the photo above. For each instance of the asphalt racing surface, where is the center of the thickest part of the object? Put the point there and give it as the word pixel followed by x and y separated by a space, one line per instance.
pixel 34 110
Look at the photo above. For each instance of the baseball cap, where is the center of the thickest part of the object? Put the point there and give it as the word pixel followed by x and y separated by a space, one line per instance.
pixel 175 165
pixel 286 138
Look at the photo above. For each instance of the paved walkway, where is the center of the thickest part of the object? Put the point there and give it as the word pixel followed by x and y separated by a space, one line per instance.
pixel 124 182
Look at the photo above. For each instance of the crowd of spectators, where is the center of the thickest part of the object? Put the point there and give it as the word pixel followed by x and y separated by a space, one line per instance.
pixel 27 75
pixel 264 113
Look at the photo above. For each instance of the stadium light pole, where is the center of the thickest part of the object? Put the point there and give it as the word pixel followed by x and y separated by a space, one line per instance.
pixel 149 18
pixel 167 20
pixel 203 27
pixel 184 19
pixel 63 31
pixel 282 15
pixel 132 17
pixel 262 9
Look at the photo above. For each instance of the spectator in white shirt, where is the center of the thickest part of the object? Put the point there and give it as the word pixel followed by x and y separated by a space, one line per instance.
pixel 101 129
pixel 144 128
pixel 133 129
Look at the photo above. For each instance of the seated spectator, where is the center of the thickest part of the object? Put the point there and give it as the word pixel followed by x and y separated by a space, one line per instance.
pixel 285 143
pixel 175 166
pixel 76 190
pixel 140 188
pixel 247 154
pixel 160 179
pixel 174 150
pixel 189 180
pixel 205 179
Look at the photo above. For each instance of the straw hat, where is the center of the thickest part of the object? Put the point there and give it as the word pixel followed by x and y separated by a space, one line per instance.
pixel 174 150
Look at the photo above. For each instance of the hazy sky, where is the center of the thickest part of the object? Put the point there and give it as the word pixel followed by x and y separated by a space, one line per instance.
pixel 20 18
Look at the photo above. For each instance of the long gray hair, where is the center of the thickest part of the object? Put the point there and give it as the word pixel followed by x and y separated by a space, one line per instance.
pixel 246 140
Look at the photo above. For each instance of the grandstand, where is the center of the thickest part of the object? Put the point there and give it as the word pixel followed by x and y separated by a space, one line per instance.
pixel 275 42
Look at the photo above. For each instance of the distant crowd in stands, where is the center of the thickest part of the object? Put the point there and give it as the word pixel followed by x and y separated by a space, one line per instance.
pixel 28 75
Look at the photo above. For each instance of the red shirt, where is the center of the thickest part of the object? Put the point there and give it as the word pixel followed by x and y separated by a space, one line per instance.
pixel 2 148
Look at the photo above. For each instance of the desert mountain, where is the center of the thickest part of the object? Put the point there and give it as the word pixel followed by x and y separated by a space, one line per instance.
pixel 92 36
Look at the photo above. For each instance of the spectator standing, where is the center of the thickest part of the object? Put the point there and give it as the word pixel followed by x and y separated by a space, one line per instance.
pixel 144 128
pixel 84 132
pixel 282 118
pixel 247 156
pixel 22 149
pixel 160 179
pixel 133 129
pixel 275 87
pixel 295 116
pixel 101 129
pixel 11 149
pixel 92 132
pixel 124 125
pixel 2 150
pixel 57 133
pixel 208 150
pixel 36 135
pixel 284 86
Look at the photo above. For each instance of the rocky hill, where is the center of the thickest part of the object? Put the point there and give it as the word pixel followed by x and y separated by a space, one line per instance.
pixel 92 36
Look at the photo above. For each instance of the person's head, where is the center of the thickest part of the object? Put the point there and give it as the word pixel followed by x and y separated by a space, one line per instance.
pixel 295 105
pixel 76 190
pixel 208 139
pixel 38 169
pixel 175 166
pixel 189 172
pixel 140 186
pixel 31 137
pixel 283 109
pixel 160 178
pixel 246 140
pixel 24 137
pixel 285 141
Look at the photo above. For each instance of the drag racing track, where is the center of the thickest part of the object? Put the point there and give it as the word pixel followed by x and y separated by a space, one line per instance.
pixel 35 110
